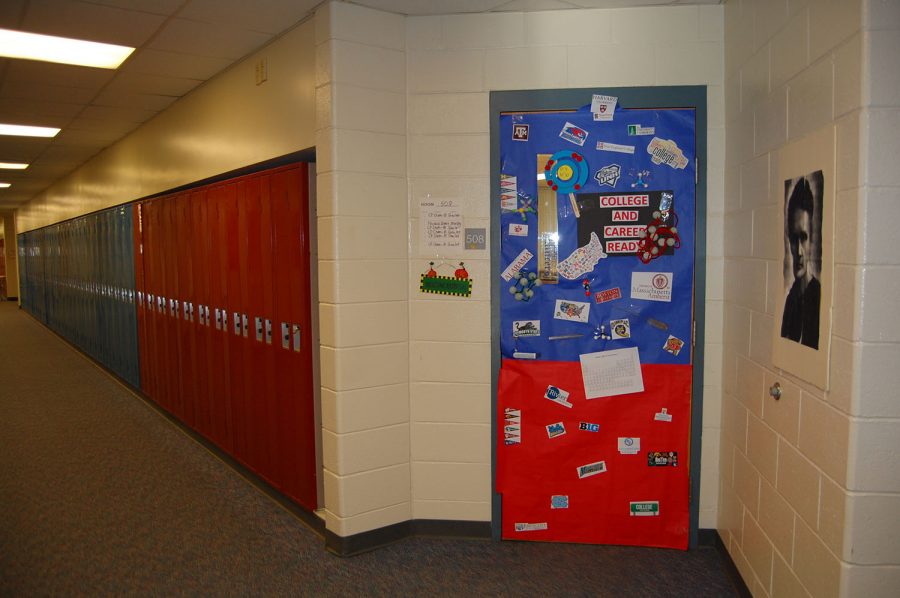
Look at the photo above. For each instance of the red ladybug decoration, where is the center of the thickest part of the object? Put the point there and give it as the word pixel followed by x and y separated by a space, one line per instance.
pixel 461 272
pixel 431 273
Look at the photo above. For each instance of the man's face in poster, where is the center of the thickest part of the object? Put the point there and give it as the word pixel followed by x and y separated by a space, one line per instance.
pixel 801 245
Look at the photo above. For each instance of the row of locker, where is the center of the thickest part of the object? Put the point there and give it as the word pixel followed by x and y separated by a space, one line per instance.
pixel 220 271
pixel 77 277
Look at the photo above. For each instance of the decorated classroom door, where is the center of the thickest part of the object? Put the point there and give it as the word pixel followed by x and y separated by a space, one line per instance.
pixel 597 217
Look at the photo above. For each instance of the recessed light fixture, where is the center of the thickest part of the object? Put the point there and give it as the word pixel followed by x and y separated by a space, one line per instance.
pixel 28 131
pixel 49 48
pixel 4 185
pixel 13 166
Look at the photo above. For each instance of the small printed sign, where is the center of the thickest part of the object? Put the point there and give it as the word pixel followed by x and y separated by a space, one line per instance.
pixel 608 295
pixel 629 446
pixel 606 146
pixel 572 311
pixel 620 329
pixel 558 395
pixel 554 430
pixel 559 501
pixel 476 238
pixel 603 107
pixel 530 527
pixel 526 328
pixel 588 427
pixel 520 132
pixel 586 471
pixel 663 416
pixel 609 175
pixel 639 130
pixel 574 134
pixel 662 459
pixel 652 286
pixel 647 508
pixel 516 265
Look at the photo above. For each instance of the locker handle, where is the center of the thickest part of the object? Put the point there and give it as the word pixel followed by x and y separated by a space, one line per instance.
pixel 218 319
pixel 186 305
pixel 191 311
pixel 268 331
pixel 296 330
pixel 259 328
pixel 237 323
pixel 285 336
pixel 245 321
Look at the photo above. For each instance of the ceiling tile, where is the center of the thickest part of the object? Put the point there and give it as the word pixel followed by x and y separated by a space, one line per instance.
pixel 13 107
pixel 119 113
pixel 90 21
pixel 172 64
pixel 45 92
pixel 21 149
pixel 11 13
pixel 433 7
pixel 33 71
pixel 207 39
pixel 158 7
pixel 269 16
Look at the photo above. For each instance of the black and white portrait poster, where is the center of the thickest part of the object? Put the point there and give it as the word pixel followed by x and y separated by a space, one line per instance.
pixel 802 327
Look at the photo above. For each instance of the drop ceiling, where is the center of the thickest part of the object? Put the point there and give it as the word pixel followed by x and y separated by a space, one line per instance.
pixel 180 44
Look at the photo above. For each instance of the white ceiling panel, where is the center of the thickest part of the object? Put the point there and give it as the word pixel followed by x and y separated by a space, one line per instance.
pixel 172 64
pixel 33 71
pixel 187 36
pixel 134 83
pixel 38 108
pixel 45 92
pixel 127 114
pixel 158 7
pixel 534 5
pixel 267 17
pixel 432 7
pixel 124 98
pixel 83 20
pixel 22 149
pixel 10 13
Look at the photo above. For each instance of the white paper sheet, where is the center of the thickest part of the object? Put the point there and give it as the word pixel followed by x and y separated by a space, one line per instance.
pixel 611 373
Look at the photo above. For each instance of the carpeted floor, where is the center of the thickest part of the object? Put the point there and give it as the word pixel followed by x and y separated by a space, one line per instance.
pixel 101 495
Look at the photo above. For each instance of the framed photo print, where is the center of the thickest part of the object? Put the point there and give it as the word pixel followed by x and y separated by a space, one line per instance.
pixel 802 330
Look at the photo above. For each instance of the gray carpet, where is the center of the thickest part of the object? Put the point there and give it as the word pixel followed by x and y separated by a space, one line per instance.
pixel 101 495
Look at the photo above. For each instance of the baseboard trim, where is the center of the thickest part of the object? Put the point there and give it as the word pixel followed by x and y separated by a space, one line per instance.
pixel 711 537
pixel 366 541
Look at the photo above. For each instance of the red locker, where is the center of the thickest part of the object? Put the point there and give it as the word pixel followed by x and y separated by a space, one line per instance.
pixel 171 371
pixel 185 313
pixel 296 423
pixel 158 311
pixel 201 330
pixel 220 387
pixel 139 286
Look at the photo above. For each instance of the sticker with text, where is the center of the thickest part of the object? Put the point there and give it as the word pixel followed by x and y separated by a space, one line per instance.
pixel 558 395
pixel 574 134
pixel 520 132
pixel 666 151
pixel 663 416
pixel 652 286
pixel 571 311
pixel 609 175
pixel 662 459
pixel 606 146
pixel 554 430
pixel 586 471
pixel 512 426
pixel 582 260
pixel 608 295
pixel 644 508
pixel 629 445
pixel 530 527
pixel 620 328
pixel 518 230
pixel 516 265
pixel 673 345
pixel 603 107
pixel 639 130
pixel 526 328
pixel 588 427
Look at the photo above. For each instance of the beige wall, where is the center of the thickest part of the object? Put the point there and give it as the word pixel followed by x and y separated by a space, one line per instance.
pixel 402 117
pixel 225 124
pixel 808 504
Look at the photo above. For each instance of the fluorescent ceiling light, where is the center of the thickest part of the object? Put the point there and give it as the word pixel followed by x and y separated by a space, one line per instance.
pixel 4 185
pixel 49 48
pixel 28 131
pixel 13 166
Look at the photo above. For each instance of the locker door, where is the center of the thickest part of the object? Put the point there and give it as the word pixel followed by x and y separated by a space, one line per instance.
pixel 139 298
pixel 201 330
pixel 220 375
pixel 186 315
pixel 293 351
pixel 171 357
pixel 232 247
pixel 150 225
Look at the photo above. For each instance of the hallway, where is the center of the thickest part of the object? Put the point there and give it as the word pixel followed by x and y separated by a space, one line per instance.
pixel 102 495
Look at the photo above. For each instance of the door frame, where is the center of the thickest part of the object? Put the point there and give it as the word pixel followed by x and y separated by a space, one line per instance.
pixel 667 97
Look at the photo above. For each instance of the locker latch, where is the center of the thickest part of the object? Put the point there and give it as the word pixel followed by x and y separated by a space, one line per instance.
pixel 296 330
pixel 218 319
pixel 268 331
pixel 186 311
pixel 259 328
pixel 237 323
pixel 191 304
pixel 201 315
pixel 285 336
pixel 245 321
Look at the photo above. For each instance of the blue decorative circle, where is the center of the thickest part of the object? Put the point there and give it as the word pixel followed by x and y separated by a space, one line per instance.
pixel 566 171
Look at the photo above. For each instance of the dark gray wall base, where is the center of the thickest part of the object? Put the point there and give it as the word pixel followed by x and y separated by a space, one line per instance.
pixel 376 538
pixel 711 537
pixel 12 298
